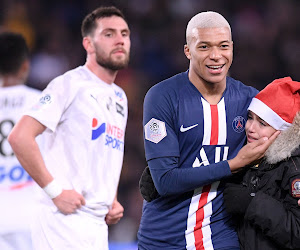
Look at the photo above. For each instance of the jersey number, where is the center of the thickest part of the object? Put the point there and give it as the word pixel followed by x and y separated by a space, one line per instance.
pixel 5 128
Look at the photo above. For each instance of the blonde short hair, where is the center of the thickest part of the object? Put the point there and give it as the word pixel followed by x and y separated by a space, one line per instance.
pixel 208 19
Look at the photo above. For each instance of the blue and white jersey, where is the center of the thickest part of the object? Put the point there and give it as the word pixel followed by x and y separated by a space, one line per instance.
pixel 179 122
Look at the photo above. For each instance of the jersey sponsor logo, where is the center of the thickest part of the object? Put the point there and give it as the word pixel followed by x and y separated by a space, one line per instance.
pixel 114 137
pixel 97 132
pixel 183 129
pixel 238 124
pixel 296 188
pixel 155 130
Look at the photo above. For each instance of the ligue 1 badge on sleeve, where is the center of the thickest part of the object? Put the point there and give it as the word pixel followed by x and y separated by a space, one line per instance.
pixel 155 130
pixel 41 103
pixel 296 188
pixel 45 99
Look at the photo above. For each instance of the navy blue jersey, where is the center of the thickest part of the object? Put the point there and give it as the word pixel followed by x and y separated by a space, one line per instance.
pixel 180 123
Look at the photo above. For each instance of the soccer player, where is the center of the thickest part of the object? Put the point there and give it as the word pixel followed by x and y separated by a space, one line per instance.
pixel 16 186
pixel 194 130
pixel 82 115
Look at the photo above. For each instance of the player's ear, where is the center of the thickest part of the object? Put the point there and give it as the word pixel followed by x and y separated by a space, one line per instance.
pixel 187 51
pixel 88 45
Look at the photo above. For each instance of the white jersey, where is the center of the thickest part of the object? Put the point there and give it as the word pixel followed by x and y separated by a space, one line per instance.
pixel 16 186
pixel 86 120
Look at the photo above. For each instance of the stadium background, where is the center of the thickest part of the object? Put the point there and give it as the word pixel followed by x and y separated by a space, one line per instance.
pixel 266 36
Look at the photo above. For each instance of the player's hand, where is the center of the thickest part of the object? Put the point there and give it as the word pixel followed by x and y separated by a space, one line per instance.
pixel 299 202
pixel 115 213
pixel 251 152
pixel 69 201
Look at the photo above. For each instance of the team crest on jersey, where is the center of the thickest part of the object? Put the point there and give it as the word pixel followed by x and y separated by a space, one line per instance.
pixel 155 130
pixel 238 124
pixel 45 99
pixel 296 188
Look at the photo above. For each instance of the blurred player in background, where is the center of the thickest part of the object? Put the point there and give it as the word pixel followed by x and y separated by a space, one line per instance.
pixel 16 186
pixel 82 115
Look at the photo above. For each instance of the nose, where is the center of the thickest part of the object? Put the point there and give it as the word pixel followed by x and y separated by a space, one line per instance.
pixel 215 53
pixel 120 39
pixel 250 125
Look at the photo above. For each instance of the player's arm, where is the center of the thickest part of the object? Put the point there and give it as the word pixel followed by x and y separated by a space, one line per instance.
pixel 170 179
pixel 23 142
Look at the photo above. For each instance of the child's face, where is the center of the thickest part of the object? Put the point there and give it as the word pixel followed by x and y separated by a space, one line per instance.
pixel 257 128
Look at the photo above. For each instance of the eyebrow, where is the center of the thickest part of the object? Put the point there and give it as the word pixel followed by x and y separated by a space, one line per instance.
pixel 225 41
pixel 114 30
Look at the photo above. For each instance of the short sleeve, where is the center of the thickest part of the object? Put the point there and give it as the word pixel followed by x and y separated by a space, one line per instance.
pixel 49 108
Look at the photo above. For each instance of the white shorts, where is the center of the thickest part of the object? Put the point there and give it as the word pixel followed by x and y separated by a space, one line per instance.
pixel 56 231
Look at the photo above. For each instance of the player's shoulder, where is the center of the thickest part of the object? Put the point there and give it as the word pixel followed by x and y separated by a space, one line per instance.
pixel 170 86
pixel 70 80
pixel 237 87
pixel 22 89
pixel 75 75
pixel 29 89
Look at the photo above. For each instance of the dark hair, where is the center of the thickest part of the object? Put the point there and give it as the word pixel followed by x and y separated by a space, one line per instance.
pixel 89 22
pixel 13 52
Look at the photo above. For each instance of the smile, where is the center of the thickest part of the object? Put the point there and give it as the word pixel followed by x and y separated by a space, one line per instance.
pixel 215 67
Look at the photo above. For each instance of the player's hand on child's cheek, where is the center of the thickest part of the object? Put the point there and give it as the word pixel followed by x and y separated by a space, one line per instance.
pixel 69 201
pixel 115 213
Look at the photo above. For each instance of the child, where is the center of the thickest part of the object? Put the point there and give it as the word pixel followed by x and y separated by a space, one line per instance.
pixel 265 203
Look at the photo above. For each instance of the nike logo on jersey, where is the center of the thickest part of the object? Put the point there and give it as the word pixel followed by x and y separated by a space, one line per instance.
pixel 182 129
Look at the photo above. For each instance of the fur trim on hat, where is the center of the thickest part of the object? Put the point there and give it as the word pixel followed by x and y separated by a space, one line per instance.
pixel 285 144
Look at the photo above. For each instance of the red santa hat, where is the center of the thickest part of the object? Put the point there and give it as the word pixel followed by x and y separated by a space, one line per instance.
pixel 278 103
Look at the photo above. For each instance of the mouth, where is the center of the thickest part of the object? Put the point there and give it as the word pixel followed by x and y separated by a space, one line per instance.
pixel 215 68
pixel 119 51
pixel 250 138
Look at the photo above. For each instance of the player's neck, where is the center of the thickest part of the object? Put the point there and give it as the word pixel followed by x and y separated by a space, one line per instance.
pixel 9 81
pixel 104 74
pixel 212 92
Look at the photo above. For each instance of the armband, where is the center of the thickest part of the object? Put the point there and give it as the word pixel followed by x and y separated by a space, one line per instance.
pixel 53 189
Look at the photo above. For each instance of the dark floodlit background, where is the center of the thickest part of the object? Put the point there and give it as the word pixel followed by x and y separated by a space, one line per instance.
pixel 266 36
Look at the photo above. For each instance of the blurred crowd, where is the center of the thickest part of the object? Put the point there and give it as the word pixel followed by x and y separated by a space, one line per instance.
pixel 266 35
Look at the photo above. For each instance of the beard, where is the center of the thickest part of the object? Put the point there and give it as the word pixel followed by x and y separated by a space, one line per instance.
pixel 109 63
